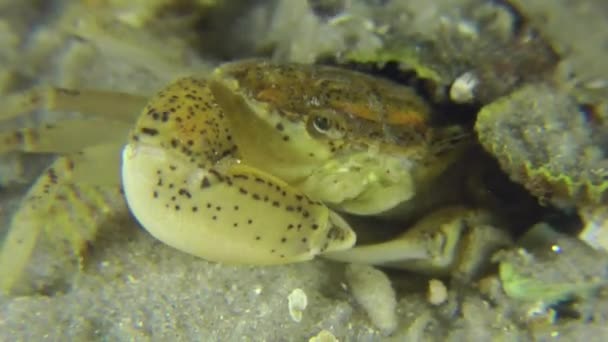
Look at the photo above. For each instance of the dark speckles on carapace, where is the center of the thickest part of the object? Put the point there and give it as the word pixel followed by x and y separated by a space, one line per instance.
pixel 368 103
pixel 185 193
pixel 205 183
pixel 184 116
pixel 149 131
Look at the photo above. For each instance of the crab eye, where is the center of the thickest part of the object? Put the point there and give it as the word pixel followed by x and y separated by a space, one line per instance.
pixel 324 127
pixel 321 124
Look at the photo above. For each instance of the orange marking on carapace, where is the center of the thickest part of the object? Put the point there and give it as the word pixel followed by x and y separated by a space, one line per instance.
pixel 402 117
pixel 188 130
pixel 272 95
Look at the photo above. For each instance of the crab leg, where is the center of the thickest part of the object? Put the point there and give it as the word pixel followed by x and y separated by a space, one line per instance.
pixel 117 110
pixel 184 183
pixel 105 104
pixel 383 253
pixel 64 207
pixel 63 137
pixel 431 246
pixel 112 115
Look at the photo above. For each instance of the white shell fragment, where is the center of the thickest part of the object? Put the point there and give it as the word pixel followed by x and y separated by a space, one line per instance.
pixel 373 291
pixel 437 292
pixel 463 88
pixel 297 303
pixel 324 336
pixel 595 232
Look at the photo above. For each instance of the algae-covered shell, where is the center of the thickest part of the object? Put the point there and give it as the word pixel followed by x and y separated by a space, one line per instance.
pixel 544 141
pixel 545 272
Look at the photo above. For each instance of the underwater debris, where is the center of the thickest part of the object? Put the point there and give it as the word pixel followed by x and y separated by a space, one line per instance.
pixel 595 229
pixel 490 41
pixel 372 289
pixel 437 292
pixel 144 13
pixel 297 303
pixel 551 267
pixel 463 88
pixel 544 141
pixel 324 336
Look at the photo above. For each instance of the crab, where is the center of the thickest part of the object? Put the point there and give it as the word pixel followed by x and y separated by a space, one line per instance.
pixel 262 163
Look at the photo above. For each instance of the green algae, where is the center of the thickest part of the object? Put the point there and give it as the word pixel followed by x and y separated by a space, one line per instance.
pixel 406 57
pixel 543 141
pixel 544 270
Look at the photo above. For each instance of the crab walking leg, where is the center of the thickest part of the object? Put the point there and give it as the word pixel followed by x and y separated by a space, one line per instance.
pixel 104 104
pixel 183 182
pixel 63 137
pixel 430 246
pixel 382 253
pixel 97 165
pixel 66 204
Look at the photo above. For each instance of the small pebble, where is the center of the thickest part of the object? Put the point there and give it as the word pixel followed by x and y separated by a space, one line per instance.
pixel 297 302
pixel 595 231
pixel 463 88
pixel 437 292
pixel 324 336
